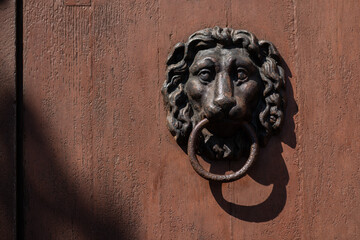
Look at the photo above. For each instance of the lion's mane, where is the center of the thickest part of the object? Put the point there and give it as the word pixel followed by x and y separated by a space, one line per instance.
pixel 269 113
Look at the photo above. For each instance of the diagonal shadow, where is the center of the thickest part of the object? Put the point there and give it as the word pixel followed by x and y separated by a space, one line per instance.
pixel 59 201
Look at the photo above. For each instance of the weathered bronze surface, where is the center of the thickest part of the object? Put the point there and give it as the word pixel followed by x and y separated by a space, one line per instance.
pixel 235 82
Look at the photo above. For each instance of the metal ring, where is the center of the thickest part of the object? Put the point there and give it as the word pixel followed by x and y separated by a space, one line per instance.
pixel 254 149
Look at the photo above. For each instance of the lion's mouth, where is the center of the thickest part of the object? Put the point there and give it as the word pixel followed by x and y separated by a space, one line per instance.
pixel 224 128
pixel 224 139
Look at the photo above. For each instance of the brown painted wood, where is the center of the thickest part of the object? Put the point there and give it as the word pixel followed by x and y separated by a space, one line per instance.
pixel 101 164
pixel 7 119
pixel 329 117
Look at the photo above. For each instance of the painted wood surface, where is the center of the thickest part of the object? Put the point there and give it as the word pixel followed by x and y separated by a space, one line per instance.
pixel 7 119
pixel 101 164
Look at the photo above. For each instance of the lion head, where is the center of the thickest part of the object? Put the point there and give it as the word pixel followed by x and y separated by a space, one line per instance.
pixel 228 77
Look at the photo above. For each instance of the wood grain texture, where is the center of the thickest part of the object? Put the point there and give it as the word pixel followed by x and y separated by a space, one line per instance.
pixel 7 119
pixel 101 164
pixel 77 2
pixel 329 119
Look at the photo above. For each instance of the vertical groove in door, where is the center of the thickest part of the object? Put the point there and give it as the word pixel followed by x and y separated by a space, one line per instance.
pixel 19 124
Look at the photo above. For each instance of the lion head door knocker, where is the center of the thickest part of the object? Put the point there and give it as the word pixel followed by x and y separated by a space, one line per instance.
pixel 224 95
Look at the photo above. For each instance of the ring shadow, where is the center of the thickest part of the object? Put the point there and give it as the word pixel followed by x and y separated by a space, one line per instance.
pixel 269 169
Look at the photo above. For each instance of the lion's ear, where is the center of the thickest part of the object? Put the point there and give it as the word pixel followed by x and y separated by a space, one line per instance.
pixel 177 54
pixel 269 50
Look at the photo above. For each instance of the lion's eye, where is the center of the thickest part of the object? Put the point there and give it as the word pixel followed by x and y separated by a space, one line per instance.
pixel 242 75
pixel 205 75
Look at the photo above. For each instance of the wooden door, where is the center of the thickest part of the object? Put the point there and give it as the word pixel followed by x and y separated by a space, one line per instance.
pixel 100 162
pixel 7 120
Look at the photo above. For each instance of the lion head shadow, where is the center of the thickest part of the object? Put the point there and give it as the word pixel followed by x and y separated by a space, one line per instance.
pixel 269 169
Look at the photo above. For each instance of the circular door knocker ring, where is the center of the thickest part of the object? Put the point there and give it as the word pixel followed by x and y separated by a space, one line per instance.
pixel 254 149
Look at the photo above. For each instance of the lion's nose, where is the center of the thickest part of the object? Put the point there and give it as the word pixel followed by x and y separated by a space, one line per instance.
pixel 224 102
pixel 223 96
